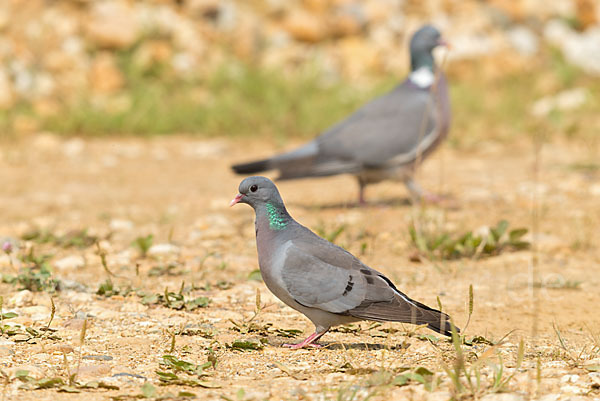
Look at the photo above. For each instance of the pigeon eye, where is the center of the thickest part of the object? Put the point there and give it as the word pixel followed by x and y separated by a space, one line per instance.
pixel 253 188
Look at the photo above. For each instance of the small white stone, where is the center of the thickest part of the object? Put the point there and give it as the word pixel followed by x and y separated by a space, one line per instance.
pixel 572 389
pixel 523 40
pixel 595 189
pixel 204 150
pixel 563 101
pixel 569 379
pixel 120 225
pixel 550 397
pixel 120 259
pixel 163 249
pixel 73 147
pixel 70 262
pixel 21 298
pixel 502 397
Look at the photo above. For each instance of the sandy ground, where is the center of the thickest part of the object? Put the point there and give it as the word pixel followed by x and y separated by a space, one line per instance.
pixel 178 189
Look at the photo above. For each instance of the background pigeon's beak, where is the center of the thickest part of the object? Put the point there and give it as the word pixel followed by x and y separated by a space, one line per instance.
pixel 443 42
pixel 235 200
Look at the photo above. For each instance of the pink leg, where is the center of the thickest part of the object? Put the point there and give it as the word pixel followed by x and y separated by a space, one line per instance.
pixel 431 197
pixel 309 342
pixel 361 196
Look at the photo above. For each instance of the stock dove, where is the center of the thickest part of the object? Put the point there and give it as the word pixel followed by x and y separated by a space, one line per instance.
pixel 319 279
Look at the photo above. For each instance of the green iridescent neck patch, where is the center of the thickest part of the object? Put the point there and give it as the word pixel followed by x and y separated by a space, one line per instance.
pixel 277 219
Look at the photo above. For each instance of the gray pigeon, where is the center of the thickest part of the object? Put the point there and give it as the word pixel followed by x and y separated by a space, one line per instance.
pixel 384 139
pixel 319 279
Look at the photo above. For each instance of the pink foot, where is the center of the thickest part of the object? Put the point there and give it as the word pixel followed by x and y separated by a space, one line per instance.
pixel 301 345
pixel 431 197
pixel 309 342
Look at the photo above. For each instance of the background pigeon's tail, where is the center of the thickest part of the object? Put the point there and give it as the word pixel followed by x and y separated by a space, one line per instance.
pixel 252 167
pixel 297 163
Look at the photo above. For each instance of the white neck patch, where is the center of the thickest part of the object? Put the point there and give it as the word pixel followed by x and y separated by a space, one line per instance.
pixel 423 77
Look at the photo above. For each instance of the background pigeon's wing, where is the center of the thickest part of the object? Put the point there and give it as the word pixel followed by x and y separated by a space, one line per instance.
pixel 393 129
pixel 388 127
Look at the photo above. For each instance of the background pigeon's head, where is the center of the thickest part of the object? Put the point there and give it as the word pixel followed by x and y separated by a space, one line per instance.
pixel 255 191
pixel 425 39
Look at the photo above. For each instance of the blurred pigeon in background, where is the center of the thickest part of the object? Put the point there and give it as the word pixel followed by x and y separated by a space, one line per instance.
pixel 319 279
pixel 386 138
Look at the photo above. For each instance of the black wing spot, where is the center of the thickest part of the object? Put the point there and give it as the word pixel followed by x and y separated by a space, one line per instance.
pixel 369 280
pixel 366 272
pixel 348 286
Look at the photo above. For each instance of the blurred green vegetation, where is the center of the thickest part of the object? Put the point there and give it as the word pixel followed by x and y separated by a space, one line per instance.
pixel 242 100
pixel 237 100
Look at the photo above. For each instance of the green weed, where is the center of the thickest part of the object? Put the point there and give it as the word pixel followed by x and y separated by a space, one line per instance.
pixel 175 300
pixel 35 275
pixel 143 244
pixel 175 371
pixel 445 246
pixel 75 238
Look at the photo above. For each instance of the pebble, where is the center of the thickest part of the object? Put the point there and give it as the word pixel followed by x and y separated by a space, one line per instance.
pixel 74 324
pixel 98 357
pixel 132 375
pixel 70 262
pixel 569 379
pixel 34 371
pixel 570 99
pixel 21 298
pixel 6 351
pixel 76 288
pixel 60 349
pixel 572 389
pixel 36 312
pixel 163 250
pixel 502 397
pixel 550 397
pixel 120 225
pixel 95 370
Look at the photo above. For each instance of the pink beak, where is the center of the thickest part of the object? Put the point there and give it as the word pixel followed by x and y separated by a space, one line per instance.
pixel 442 42
pixel 235 200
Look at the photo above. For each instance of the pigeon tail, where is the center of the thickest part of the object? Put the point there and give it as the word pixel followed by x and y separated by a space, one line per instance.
pixel 252 167
pixel 405 310
pixel 436 320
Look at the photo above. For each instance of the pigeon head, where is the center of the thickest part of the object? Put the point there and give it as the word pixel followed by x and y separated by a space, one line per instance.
pixel 256 191
pixel 422 44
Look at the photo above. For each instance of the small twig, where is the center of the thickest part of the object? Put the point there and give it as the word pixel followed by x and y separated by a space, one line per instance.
pixel 81 342
pixel 172 346
pixel 470 309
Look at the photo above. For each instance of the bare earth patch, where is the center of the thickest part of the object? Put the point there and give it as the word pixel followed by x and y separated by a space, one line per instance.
pixel 177 190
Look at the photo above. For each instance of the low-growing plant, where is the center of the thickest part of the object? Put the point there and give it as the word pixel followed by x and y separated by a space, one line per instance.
pixel 574 357
pixel 559 283
pixel 248 344
pixel 445 246
pixel 179 372
pixel 35 275
pixel 175 300
pixel 168 269
pixel 143 244
pixel 76 238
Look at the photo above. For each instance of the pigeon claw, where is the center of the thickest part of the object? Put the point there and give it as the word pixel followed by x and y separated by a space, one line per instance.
pixel 309 342
pixel 302 345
